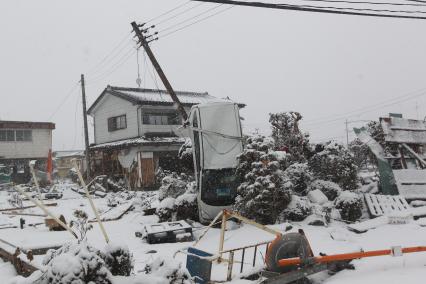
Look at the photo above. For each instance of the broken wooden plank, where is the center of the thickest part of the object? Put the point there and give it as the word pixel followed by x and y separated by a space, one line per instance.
pixel 26 207
pixel 23 214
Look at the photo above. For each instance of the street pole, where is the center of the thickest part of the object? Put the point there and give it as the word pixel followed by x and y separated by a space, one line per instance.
pixel 86 131
pixel 160 72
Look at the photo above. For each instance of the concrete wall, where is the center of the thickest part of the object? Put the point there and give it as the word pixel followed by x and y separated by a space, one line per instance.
pixel 37 148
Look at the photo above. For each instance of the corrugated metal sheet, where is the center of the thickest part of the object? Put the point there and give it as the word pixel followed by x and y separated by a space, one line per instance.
pixel 402 130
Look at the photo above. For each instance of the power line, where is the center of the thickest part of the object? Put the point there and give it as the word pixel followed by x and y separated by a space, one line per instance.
pixel 108 57
pixel 407 96
pixel 178 14
pixel 189 19
pixel 367 111
pixel 70 92
pixel 114 68
pixel 367 2
pixel 358 9
pixel 168 12
pixel 314 9
pixel 198 21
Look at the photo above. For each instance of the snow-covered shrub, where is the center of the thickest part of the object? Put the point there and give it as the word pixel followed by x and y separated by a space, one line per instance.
pixel 170 270
pixel 335 163
pixel 186 207
pixel 297 177
pixel 329 188
pixel 165 209
pixel 185 156
pixel 173 185
pixel 261 196
pixel 287 135
pixel 349 205
pixel 75 264
pixel 317 196
pixel 81 224
pixel 181 208
pixel 298 209
pixel 118 259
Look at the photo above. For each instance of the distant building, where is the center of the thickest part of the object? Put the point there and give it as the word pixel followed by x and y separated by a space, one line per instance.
pixel 63 161
pixel 138 130
pixel 22 141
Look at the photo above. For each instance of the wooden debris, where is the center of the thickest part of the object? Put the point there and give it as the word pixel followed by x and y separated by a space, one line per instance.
pixel 27 207
pixel 379 205
pixel 53 225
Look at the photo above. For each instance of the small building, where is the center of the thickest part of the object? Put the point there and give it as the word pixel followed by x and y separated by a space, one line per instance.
pixel 63 161
pixel 137 130
pixel 22 141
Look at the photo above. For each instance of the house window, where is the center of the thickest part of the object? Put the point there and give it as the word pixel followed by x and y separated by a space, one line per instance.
pixel 117 122
pixel 8 135
pixel 160 118
pixel 23 135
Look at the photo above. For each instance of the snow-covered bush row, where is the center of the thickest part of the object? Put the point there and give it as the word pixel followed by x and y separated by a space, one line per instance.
pixel 167 271
pixel 82 263
pixel 262 196
pixel 335 163
pixel 274 171
pixel 178 198
pixel 349 205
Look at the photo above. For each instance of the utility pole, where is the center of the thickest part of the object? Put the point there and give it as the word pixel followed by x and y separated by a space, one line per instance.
pixel 347 133
pixel 144 43
pixel 86 131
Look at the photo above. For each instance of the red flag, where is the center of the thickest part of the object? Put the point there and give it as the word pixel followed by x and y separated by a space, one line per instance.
pixel 49 166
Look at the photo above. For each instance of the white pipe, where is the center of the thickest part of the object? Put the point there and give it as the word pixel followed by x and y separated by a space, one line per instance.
pixel 98 218
pixel 45 210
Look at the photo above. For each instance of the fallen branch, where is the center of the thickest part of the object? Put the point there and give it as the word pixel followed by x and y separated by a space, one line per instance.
pixel 27 207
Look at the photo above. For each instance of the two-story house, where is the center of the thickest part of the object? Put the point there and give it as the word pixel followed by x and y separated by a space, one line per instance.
pixel 138 130
pixel 22 141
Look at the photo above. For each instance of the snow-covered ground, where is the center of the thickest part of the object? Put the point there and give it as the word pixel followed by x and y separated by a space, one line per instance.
pixel 336 238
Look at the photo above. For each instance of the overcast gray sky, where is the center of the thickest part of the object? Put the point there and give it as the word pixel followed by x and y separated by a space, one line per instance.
pixel 328 67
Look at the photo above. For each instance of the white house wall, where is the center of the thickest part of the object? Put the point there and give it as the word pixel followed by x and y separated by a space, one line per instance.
pixel 37 148
pixel 109 107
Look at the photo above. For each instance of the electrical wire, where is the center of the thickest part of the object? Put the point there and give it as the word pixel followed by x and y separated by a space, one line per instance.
pixel 70 92
pixel 178 14
pixel 367 2
pixel 109 57
pixel 356 9
pixel 196 22
pixel 314 9
pixel 359 110
pixel 114 68
pixel 168 12
pixel 191 18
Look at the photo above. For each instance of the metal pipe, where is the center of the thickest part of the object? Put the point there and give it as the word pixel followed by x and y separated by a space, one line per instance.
pixel 348 256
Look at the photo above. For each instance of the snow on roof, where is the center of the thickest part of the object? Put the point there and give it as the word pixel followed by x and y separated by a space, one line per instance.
pixel 70 153
pixel 139 141
pixel 153 96
pixel 403 130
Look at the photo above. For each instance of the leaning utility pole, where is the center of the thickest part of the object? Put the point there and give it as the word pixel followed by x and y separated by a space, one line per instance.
pixel 143 41
pixel 86 132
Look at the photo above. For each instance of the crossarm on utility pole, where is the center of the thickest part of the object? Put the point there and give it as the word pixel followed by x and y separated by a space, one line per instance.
pixel 160 72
